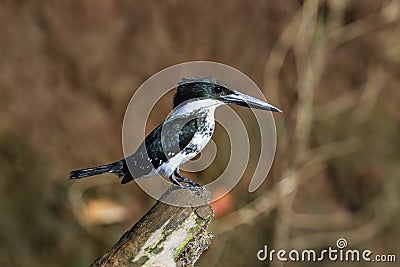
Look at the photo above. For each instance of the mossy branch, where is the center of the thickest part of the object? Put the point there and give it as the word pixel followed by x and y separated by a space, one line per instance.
pixel 166 235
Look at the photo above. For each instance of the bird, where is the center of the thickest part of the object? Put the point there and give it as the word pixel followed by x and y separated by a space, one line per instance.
pixel 182 135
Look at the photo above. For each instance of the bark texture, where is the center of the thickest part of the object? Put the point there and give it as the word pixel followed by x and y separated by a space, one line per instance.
pixel 167 235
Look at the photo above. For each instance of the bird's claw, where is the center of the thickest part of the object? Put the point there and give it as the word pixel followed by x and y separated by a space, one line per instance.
pixel 180 178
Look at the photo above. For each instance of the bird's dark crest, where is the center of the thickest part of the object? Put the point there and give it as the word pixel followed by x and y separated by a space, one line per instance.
pixel 190 88
pixel 184 81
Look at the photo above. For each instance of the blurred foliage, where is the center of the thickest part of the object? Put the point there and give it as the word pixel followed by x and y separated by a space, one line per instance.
pixel 69 68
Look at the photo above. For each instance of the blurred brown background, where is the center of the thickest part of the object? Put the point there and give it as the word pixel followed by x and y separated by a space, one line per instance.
pixel 69 68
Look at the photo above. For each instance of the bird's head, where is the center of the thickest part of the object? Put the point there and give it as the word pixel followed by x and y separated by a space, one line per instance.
pixel 216 91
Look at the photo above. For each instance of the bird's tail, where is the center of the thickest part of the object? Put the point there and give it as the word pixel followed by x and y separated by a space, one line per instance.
pixel 116 167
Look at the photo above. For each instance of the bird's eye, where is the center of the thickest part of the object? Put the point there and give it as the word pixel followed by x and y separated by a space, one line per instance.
pixel 218 89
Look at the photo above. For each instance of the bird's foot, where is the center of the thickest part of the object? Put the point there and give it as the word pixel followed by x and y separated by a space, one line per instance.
pixel 176 182
pixel 188 181
pixel 180 178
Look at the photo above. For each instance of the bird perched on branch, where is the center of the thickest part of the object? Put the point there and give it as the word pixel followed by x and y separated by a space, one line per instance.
pixel 181 136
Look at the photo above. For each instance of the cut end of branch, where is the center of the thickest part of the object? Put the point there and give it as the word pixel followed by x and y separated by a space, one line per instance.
pixel 167 235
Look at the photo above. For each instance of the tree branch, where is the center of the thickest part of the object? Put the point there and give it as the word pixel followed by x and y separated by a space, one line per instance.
pixel 166 235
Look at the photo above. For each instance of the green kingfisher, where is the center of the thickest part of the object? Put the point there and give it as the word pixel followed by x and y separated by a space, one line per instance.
pixel 182 136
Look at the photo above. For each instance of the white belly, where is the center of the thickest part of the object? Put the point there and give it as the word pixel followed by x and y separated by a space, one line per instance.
pixel 199 140
pixel 195 146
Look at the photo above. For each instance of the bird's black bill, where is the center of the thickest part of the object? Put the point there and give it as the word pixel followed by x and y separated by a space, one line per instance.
pixel 248 101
